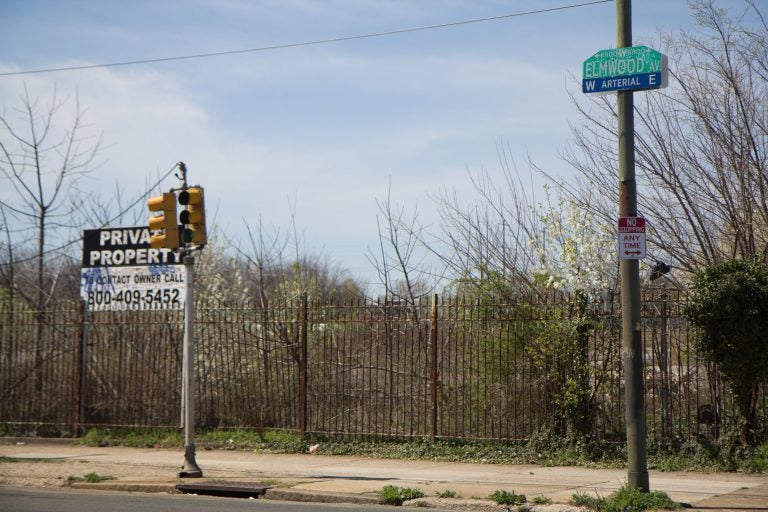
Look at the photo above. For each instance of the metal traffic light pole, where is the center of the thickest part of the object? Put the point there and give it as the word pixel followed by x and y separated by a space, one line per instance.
pixel 631 340
pixel 190 469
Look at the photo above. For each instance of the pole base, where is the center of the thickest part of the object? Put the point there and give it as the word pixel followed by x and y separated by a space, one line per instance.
pixel 190 469
pixel 639 479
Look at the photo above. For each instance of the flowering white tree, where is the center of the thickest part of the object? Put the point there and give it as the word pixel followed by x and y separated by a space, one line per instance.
pixel 574 249
pixel 219 276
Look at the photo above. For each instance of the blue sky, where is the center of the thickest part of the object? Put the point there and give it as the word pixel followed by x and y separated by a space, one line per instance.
pixel 324 127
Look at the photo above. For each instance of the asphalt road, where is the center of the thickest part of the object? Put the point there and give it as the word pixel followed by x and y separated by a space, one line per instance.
pixel 16 499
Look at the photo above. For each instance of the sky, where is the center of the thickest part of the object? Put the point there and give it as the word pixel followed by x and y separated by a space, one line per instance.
pixel 317 133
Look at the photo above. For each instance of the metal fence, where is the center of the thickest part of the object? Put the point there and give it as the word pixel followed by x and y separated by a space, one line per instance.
pixel 450 368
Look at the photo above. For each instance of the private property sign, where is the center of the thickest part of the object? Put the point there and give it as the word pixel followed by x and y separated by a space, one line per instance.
pixel 634 68
pixel 121 272
pixel 631 238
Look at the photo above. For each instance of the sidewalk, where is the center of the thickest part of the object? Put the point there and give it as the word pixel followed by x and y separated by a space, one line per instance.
pixel 318 477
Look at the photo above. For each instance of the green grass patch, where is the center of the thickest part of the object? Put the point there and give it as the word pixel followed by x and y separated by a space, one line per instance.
pixel 728 455
pixel 626 499
pixel 394 495
pixel 541 500
pixel 139 438
pixel 543 448
pixel 446 494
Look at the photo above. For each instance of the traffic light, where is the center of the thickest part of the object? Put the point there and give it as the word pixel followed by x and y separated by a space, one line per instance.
pixel 164 225
pixel 193 216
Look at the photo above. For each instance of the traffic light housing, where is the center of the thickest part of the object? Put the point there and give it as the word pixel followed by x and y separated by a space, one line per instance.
pixel 193 216
pixel 164 225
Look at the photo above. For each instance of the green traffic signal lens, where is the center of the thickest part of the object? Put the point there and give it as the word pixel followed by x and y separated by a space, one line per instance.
pixel 187 235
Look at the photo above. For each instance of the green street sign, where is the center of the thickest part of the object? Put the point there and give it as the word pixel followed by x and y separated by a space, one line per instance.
pixel 631 68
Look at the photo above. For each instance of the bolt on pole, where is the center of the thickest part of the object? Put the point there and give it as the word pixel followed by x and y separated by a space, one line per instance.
pixel 631 339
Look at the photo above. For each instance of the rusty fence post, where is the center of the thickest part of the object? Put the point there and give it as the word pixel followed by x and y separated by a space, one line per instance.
pixel 433 363
pixel 303 367
pixel 82 362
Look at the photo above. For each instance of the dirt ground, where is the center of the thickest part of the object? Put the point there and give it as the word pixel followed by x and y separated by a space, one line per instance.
pixel 62 473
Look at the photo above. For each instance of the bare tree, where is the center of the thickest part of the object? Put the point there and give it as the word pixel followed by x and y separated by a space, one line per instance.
pixel 485 244
pixel 41 162
pixel 701 144
pixel 401 259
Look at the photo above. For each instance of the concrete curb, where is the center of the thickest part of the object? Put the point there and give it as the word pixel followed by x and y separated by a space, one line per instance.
pixel 165 488
pixel 319 497
pixel 270 494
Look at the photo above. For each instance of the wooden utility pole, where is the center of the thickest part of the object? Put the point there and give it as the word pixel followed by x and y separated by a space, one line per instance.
pixel 631 339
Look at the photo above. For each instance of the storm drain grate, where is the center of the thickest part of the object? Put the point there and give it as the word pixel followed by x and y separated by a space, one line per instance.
pixel 224 489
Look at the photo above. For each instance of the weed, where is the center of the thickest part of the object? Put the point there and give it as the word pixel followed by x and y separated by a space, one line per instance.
pixel 3 458
pixel 545 447
pixel 95 437
pixel 541 500
pixel 507 498
pixel 581 499
pixel 757 461
pixel 632 499
pixel 394 495
pixel 626 499
pixel 95 478
pixel 91 478
pixel 446 494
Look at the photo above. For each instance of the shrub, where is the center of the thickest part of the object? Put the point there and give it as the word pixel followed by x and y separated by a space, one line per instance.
pixel 581 499
pixel 507 498
pixel 632 499
pixel 394 495
pixel 626 499
pixel 729 305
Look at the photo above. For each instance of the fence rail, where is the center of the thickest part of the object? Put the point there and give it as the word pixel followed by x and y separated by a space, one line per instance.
pixel 453 368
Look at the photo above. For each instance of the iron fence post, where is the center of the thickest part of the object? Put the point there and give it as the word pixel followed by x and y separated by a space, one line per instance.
pixel 82 358
pixel 303 367
pixel 433 364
